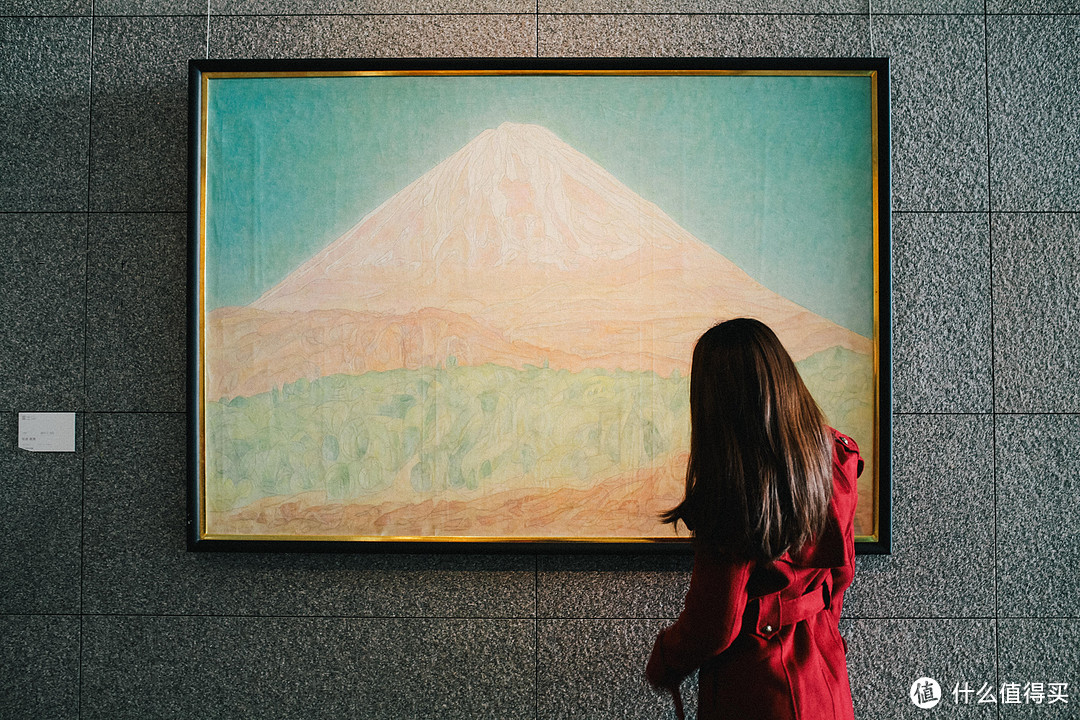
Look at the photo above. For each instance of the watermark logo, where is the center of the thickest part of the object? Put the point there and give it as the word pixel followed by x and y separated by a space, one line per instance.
pixel 925 693
pixel 1012 693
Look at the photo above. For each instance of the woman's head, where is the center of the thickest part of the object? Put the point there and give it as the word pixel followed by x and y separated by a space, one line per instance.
pixel 759 478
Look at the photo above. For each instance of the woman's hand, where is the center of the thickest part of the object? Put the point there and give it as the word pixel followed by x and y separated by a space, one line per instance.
pixel 661 679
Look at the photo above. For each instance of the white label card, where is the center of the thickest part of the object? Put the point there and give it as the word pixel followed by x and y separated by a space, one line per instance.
pixel 47 432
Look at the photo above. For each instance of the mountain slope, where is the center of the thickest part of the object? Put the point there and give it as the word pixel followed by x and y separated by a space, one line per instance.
pixel 541 249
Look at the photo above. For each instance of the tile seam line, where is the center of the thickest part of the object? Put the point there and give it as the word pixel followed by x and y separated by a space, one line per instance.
pixel 1027 619
pixel 549 13
pixel 555 14
pixel 896 413
pixel 300 15
pixel 986 212
pixel 85 352
pixel 877 13
pixel 1007 413
pixel 87 411
pixel 521 618
pixel 842 617
pixel 536 625
pixel 238 616
pixel 184 212
pixel 993 350
pixel 93 212
pixel 759 13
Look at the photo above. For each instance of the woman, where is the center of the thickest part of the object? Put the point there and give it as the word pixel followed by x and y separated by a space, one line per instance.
pixel 770 501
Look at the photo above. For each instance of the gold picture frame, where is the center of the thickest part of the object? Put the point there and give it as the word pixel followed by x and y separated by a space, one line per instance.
pixel 450 304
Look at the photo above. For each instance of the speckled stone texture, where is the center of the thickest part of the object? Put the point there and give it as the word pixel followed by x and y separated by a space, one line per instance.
pixel 1041 651
pixel 596 669
pixel 45 105
pixel 42 293
pixel 64 8
pixel 985 507
pixel 135 558
pixel 307 36
pixel 1038 489
pixel 356 7
pixel 150 7
pixel 885 657
pixel 928 7
pixel 703 35
pixel 1035 6
pixel 41 494
pixel 941 312
pixel 938 110
pixel 1034 112
pixel 39 667
pixel 943 535
pixel 612 586
pixel 139 140
pixel 1036 325
pixel 136 312
pixel 268 668
pixel 702 6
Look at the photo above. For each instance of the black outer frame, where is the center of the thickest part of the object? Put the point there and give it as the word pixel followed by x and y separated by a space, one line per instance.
pixel 883 452
pixel 883 545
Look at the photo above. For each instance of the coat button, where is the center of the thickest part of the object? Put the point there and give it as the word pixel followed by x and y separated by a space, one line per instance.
pixel 768 628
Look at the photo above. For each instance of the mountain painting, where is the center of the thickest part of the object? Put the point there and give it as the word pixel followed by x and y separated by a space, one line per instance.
pixel 492 340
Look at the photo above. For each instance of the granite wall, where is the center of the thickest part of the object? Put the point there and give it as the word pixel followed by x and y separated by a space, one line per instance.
pixel 104 615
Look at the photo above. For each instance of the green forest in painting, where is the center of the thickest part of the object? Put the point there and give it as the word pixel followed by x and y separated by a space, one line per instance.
pixel 470 428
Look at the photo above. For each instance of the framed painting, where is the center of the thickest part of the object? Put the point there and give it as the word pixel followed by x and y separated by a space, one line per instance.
pixel 451 304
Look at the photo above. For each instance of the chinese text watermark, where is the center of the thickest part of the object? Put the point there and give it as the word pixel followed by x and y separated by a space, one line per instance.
pixel 926 693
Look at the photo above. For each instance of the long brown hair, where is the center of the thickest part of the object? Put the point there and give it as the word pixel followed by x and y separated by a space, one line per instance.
pixel 759 477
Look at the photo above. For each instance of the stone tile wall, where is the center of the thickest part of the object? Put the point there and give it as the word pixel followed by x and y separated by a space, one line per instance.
pixel 104 615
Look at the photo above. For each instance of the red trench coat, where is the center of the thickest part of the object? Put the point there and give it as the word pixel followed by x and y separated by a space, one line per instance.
pixel 766 638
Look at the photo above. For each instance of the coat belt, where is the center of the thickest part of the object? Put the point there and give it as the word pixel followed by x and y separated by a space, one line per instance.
pixel 775 612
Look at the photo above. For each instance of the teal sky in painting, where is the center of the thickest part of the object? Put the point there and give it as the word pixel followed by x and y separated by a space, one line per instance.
pixel 774 173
